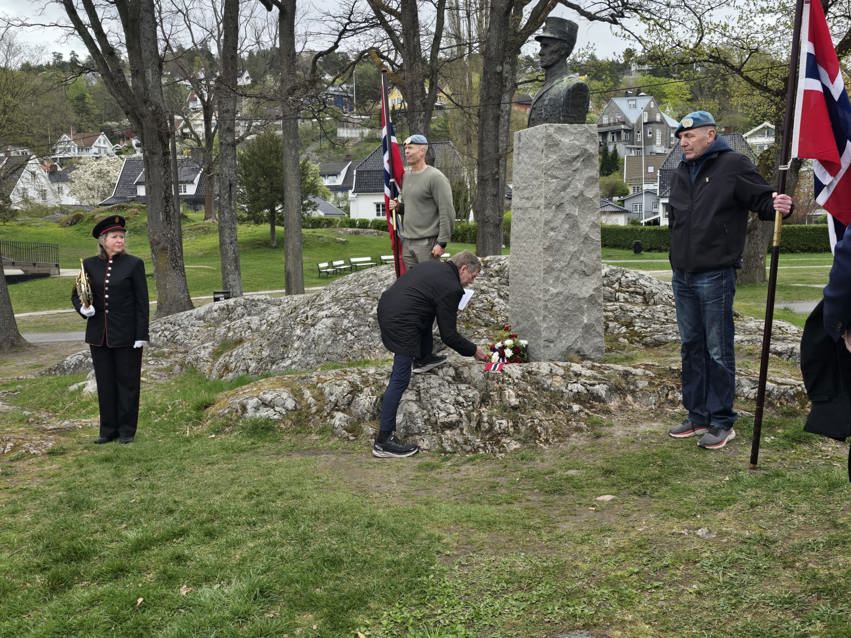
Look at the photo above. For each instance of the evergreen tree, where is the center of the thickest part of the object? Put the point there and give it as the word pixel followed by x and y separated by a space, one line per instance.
pixel 261 182
pixel 614 161
pixel 604 161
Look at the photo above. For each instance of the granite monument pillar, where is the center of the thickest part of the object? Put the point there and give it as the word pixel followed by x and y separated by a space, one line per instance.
pixel 556 284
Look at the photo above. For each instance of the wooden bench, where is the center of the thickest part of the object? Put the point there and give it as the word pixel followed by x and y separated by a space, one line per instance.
pixel 340 265
pixel 386 259
pixel 361 262
pixel 325 268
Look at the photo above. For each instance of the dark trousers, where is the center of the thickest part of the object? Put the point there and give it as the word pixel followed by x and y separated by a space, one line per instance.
pixel 118 372
pixel 704 303
pixel 400 377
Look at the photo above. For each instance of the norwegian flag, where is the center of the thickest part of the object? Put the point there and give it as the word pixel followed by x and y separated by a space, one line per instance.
pixel 393 174
pixel 822 129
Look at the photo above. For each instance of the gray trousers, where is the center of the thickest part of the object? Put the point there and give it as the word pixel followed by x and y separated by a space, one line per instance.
pixel 415 251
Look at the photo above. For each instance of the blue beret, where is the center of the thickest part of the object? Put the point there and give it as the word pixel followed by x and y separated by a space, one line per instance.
pixel 697 119
pixel 417 139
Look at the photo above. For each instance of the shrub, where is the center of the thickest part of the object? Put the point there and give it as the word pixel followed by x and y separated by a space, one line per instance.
pixel 796 238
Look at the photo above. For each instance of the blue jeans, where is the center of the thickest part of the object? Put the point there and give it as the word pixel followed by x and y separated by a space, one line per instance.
pixel 704 303
pixel 400 377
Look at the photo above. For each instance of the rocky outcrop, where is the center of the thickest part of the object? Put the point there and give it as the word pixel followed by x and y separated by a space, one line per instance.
pixel 457 407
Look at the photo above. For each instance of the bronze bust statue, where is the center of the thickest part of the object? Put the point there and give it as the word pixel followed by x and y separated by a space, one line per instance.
pixel 563 99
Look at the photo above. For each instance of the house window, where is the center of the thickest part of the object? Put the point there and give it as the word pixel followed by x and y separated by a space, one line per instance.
pixel 650 168
pixel 60 190
pixel 632 104
pixel 183 189
pixel 636 208
pixel 379 210
pixel 659 137
pixel 655 205
pixel 636 189
pixel 42 193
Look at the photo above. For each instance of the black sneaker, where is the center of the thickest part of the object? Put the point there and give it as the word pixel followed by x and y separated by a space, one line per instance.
pixel 393 448
pixel 686 428
pixel 431 361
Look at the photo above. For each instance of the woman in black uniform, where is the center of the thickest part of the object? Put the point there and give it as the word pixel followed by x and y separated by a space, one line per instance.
pixel 116 328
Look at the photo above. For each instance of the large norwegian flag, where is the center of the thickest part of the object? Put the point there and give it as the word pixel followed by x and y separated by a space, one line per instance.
pixel 822 130
pixel 394 171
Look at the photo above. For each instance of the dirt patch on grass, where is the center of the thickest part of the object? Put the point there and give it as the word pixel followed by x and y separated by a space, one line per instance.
pixel 33 359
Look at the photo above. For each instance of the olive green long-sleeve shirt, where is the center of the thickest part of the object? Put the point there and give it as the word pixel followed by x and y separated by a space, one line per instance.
pixel 427 206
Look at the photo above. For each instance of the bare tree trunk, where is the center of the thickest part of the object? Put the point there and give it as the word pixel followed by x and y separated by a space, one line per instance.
pixel 10 337
pixel 293 266
pixel 506 33
pixel 490 190
pixel 142 101
pixel 756 246
pixel 225 90
pixel 208 161
pixel 273 230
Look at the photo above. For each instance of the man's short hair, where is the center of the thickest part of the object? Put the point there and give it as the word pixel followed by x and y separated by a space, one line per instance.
pixel 466 258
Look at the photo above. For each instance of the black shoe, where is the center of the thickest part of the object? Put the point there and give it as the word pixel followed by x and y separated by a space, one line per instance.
pixel 431 361
pixel 104 439
pixel 393 448
pixel 125 439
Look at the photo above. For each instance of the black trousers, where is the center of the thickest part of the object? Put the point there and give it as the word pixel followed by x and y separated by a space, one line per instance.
pixel 118 372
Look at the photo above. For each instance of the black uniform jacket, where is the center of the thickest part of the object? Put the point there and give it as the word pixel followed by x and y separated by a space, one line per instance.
pixel 837 293
pixel 408 308
pixel 120 298
pixel 708 219
pixel 826 371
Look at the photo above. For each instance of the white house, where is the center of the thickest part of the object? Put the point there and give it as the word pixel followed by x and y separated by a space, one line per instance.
pixel 761 137
pixel 613 214
pixel 82 145
pixel 27 182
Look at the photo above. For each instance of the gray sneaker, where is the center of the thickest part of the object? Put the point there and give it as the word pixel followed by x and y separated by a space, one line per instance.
pixel 716 438
pixel 685 429
pixel 393 448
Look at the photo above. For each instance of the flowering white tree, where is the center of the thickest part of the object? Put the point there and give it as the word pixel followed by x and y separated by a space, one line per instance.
pixel 94 179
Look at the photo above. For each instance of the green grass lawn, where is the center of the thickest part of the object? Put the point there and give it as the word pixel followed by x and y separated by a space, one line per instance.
pixel 262 267
pixel 247 530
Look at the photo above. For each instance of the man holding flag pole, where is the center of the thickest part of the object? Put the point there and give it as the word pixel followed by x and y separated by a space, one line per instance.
pixel 712 191
pixel 393 174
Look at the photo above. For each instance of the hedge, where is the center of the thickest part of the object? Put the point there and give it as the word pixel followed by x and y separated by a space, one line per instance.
pixel 797 238
pixel 462 232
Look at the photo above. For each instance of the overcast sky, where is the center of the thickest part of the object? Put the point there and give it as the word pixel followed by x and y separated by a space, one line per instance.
pixel 42 41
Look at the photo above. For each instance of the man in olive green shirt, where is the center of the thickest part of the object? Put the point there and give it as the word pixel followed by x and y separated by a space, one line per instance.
pixel 425 204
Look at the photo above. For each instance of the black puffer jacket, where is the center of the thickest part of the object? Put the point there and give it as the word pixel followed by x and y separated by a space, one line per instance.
pixel 408 308
pixel 708 219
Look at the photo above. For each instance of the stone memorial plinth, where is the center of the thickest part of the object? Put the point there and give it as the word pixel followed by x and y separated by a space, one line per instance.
pixel 556 286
